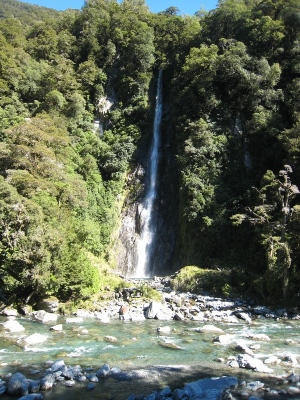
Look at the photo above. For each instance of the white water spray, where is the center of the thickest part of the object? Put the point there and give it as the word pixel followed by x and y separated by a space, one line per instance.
pixel 146 214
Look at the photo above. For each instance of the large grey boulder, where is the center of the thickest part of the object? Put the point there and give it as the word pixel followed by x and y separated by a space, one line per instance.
pixel 207 385
pixel 35 338
pixel 152 310
pixel 13 326
pixel 164 314
pixel 248 362
pixel 18 385
pixel 44 316
pixel 58 365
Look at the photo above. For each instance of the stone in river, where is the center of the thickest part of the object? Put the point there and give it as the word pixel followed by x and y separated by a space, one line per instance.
pixel 43 316
pixel 35 338
pixel 18 385
pixel 210 329
pixel 223 339
pixel 170 345
pixel 57 365
pixel 47 381
pixel 163 329
pixel 91 386
pixel 34 386
pixel 259 336
pixel 32 396
pixel 74 320
pixel 103 371
pixel 9 312
pixel 110 339
pixel 248 362
pixel 57 328
pixel 13 326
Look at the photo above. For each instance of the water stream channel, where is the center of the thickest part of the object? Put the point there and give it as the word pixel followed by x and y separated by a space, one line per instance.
pixel 179 356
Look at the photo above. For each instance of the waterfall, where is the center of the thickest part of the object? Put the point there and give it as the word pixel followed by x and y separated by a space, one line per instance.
pixel 147 230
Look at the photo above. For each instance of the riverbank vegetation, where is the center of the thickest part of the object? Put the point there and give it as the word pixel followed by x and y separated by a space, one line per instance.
pixel 76 109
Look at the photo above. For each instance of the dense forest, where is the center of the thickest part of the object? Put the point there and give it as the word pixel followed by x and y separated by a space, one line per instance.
pixel 232 117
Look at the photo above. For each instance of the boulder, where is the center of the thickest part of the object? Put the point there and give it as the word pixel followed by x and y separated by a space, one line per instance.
pixel 244 348
pixel 259 336
pixel 34 386
pixel 83 313
pixel 57 328
pixel 254 386
pixel 9 312
pixel 110 339
pixel 163 330
pixel 272 360
pixel 152 310
pixel 170 345
pixel 35 338
pixel 245 316
pixel 44 316
pixel 74 320
pixel 47 381
pixel 223 339
pixel 210 329
pixel 164 314
pixel 209 388
pixel 248 362
pixel 291 358
pixel 18 385
pixel 103 371
pixel 58 365
pixel 32 396
pixel 13 326
pixel 103 317
pixel 50 304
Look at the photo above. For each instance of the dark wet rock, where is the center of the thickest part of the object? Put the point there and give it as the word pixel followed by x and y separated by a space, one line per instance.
pixel 47 381
pixel 81 378
pixel 18 385
pixel 92 378
pixel 32 396
pixel 254 386
pixel 34 386
pixel 3 389
pixel 91 386
pixel 57 365
pixel 103 371
pixel 204 389
pixel 70 383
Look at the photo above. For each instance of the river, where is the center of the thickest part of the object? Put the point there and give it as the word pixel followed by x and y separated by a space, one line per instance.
pixel 140 346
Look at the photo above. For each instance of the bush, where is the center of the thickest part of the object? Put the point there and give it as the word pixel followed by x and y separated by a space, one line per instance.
pixel 196 280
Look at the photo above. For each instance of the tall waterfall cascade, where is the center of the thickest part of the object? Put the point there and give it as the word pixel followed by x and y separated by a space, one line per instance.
pixel 147 223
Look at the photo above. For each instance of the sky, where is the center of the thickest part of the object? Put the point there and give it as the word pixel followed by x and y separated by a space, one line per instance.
pixel 185 6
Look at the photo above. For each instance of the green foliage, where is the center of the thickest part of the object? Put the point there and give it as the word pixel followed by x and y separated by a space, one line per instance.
pixel 231 109
pixel 198 280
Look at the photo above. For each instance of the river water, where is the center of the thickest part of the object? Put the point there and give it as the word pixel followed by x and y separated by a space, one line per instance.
pixel 140 346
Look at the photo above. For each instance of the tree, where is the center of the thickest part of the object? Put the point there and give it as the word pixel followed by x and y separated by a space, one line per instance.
pixel 272 217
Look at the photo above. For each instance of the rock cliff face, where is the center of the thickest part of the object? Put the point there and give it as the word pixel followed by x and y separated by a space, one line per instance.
pixel 165 212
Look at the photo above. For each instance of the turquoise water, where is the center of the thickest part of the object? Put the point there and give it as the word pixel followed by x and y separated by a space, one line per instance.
pixel 139 345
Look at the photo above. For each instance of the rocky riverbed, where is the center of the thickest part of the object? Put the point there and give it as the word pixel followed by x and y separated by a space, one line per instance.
pixel 184 330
